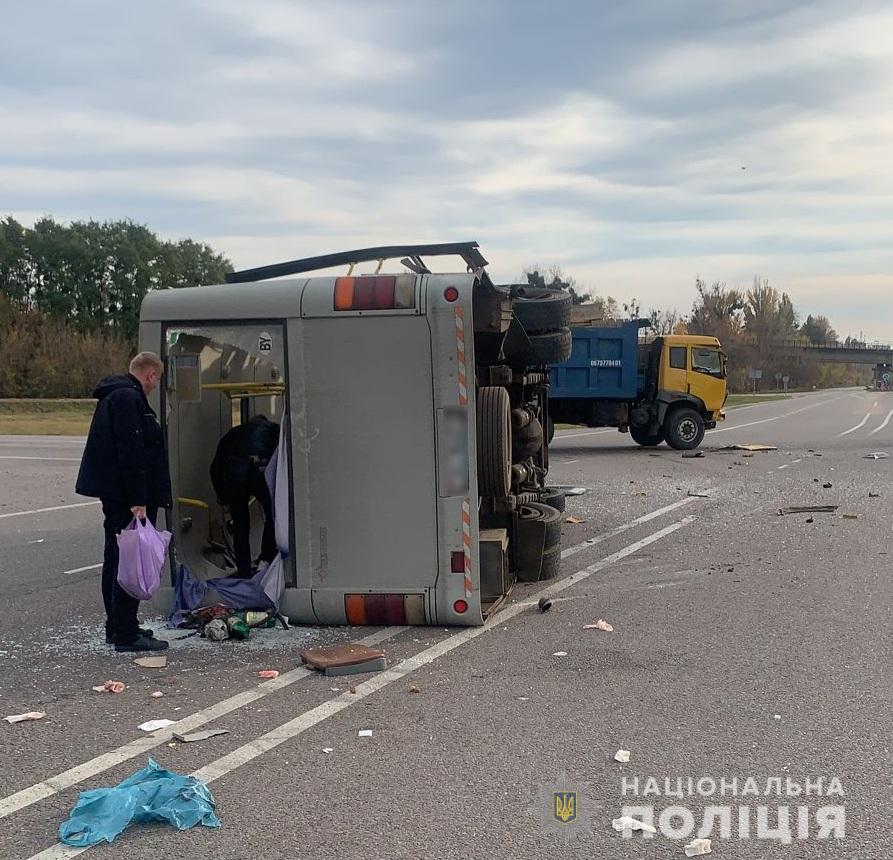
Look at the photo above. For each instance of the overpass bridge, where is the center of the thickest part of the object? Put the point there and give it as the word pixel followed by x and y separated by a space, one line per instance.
pixel 843 353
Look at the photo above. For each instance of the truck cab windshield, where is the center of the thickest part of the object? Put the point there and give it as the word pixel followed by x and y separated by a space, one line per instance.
pixel 706 360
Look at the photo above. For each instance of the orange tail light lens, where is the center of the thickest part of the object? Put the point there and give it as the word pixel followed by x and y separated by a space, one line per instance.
pixel 344 291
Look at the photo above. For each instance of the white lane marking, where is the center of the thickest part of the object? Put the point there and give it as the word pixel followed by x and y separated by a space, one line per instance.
pixel 800 460
pixel 106 761
pixel 593 541
pixel 47 510
pixel 81 569
pixel 300 724
pixel 785 466
pixel 48 459
pixel 862 423
pixel 568 462
pixel 588 433
pixel 874 404
pixel 886 422
pixel 778 417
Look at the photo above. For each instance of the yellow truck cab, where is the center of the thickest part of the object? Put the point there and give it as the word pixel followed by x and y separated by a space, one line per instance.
pixel 667 388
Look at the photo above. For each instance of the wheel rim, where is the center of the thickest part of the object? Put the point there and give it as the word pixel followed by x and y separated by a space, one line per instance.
pixel 688 429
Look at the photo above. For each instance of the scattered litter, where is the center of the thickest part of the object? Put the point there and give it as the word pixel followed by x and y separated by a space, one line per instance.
pixel 776 716
pixel 523 698
pixel 364 733
pixel 41 540
pixel 808 509
pixel 750 447
pixel 349 659
pixel 157 694
pixel 850 516
pixel 827 485
pixel 573 491
pixel 328 750
pixel 695 495
pixel 151 794
pixel 352 691
pixel 414 689
pixel 216 630
pixel 876 455
pixel 157 662
pixel 747 454
pixel 545 604
pixel 560 654
pixel 268 673
pixel 810 520
pixel 697 847
pixel 575 521
pixel 110 687
pixel 872 495
pixel 691 455
pixel 627 823
pixel 601 624
pixel 200 736
pixel 24 718
pixel 622 756
pixel 335 689
pixel 155 725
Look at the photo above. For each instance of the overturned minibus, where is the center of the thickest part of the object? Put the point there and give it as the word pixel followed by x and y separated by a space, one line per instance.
pixel 412 408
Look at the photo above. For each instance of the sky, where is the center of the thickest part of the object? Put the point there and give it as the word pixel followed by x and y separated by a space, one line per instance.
pixel 637 145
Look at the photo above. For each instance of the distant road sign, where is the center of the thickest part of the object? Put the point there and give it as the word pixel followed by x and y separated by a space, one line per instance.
pixel 755 373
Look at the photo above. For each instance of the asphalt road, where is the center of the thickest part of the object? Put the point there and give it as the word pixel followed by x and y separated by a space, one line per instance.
pixel 746 645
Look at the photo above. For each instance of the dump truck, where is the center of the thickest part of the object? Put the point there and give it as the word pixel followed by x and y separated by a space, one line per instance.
pixel 412 482
pixel 668 388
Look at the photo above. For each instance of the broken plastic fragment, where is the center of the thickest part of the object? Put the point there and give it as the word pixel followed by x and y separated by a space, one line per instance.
pixel 328 750
pixel 622 756
pixel 850 516
pixel 574 521
pixel 24 718
pixel 156 662
pixel 268 673
pixel 560 654
pixel 627 823
pixel 110 687
pixel 877 455
pixel 601 624
pixel 200 736
pixel 364 733
pixel 155 725
pixel 697 847
pixel 157 694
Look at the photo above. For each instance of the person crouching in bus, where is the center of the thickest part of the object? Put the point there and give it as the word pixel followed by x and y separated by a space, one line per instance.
pixel 237 473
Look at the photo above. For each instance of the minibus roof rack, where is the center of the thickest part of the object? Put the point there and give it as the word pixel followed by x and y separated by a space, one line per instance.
pixel 411 254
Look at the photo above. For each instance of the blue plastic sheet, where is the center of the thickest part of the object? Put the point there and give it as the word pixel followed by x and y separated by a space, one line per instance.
pixel 152 794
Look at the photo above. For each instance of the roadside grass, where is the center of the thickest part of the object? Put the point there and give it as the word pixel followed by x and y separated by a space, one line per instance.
pixel 39 417
pixel 747 399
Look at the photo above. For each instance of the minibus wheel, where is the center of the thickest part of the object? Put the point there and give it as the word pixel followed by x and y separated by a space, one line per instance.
pixel 494 437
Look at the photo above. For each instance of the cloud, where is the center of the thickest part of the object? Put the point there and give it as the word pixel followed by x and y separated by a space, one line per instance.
pixel 608 140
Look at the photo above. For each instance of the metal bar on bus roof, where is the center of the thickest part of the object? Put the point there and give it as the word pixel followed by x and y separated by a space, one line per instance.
pixel 468 251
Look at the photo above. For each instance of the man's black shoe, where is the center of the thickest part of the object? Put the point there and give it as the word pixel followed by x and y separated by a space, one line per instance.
pixel 143 643
pixel 144 631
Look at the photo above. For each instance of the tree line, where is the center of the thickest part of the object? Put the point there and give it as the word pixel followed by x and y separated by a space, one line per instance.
pixel 755 327
pixel 70 298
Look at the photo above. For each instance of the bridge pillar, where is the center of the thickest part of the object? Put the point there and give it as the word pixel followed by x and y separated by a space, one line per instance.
pixel 883 377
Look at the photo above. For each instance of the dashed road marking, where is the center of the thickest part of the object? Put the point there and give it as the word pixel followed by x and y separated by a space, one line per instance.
pixel 862 423
pixel 48 510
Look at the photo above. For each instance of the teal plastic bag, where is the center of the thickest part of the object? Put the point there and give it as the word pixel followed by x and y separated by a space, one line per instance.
pixel 152 794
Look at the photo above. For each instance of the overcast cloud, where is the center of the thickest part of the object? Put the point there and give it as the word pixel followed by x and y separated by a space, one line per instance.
pixel 609 138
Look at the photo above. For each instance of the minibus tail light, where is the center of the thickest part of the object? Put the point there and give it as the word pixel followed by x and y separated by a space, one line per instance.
pixel 375 293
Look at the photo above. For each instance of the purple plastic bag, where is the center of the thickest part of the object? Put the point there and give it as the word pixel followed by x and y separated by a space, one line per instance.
pixel 141 554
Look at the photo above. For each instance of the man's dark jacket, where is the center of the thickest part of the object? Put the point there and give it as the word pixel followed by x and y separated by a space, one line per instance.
pixel 125 459
pixel 241 451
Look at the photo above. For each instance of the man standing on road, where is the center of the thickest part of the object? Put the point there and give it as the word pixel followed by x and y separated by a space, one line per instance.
pixel 125 466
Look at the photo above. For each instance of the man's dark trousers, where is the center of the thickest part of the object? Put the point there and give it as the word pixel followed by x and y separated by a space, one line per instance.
pixel 236 497
pixel 120 608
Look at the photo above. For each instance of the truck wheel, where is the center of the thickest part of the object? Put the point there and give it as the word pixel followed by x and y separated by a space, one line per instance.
pixel 494 426
pixel 644 438
pixel 684 429
pixel 553 498
pixel 549 516
pixel 551 563
pixel 540 310
pixel 553 347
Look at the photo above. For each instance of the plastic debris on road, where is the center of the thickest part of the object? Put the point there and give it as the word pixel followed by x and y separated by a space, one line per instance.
pixel 622 756
pixel 573 491
pixel 328 750
pixel 155 725
pixel 698 847
pixel 627 823
pixel 364 733
pixel 560 654
pixel 827 485
pixel 200 736
pixel 158 661
pixel 692 455
pixel 698 495
pixel 157 694
pixel 850 516
pixel 601 624
pixel 545 604
pixel 269 674
pixel 574 521
pixel 30 716
pixel 751 447
pixel 808 509
pixel 110 687
pixel 876 455
pixel 414 689
pixel 151 794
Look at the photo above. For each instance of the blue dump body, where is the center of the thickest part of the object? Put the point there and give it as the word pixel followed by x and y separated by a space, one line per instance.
pixel 604 364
